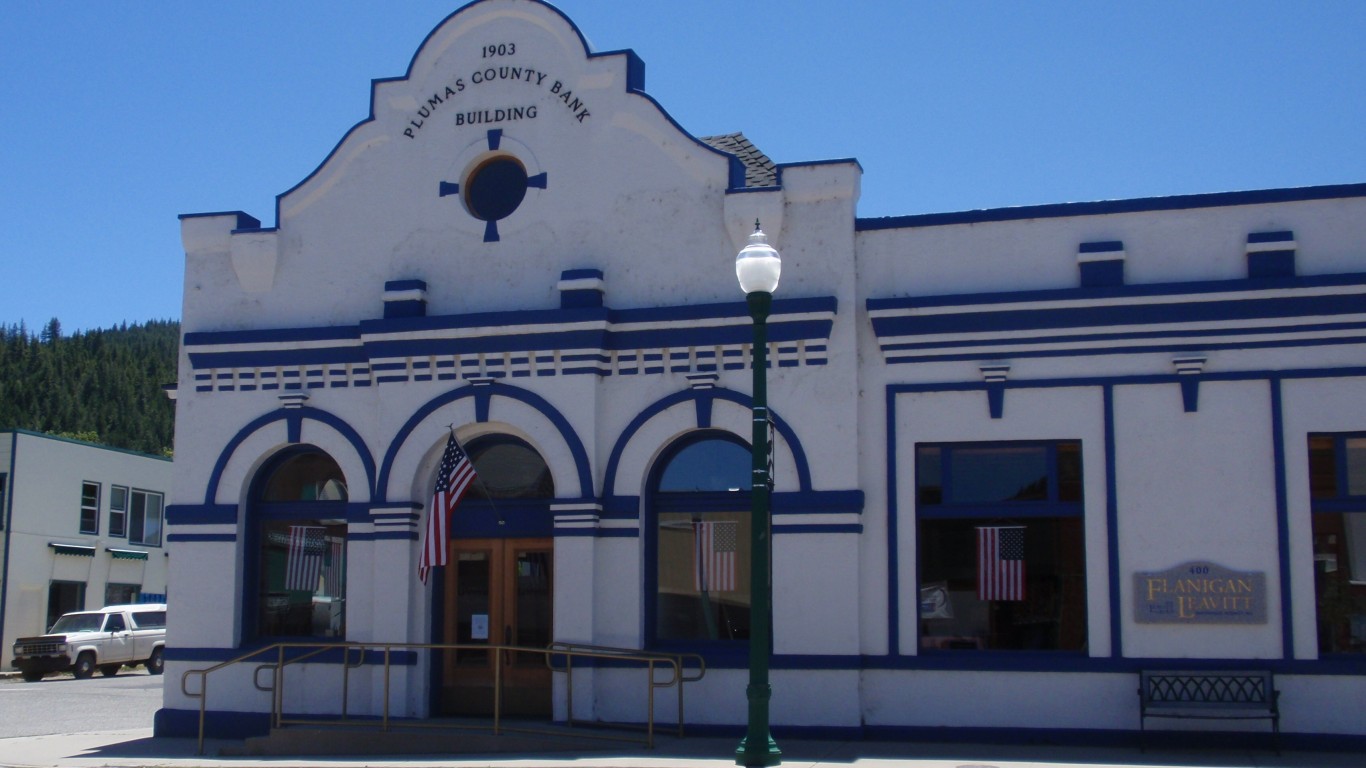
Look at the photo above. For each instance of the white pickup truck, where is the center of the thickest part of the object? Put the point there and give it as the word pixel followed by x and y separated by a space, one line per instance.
pixel 105 640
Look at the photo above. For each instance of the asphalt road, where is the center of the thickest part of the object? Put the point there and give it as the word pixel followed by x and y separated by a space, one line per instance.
pixel 63 704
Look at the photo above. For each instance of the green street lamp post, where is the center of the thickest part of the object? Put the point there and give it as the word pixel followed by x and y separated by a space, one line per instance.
pixel 757 266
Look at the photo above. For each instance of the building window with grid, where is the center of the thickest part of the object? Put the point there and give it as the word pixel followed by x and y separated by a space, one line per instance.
pixel 90 508
pixel 144 518
pixel 1337 492
pixel 1001 546
pixel 118 511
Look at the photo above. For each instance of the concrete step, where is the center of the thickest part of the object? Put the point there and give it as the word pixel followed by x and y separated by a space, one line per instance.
pixel 433 739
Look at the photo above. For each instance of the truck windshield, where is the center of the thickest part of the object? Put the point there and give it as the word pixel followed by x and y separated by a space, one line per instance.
pixel 78 622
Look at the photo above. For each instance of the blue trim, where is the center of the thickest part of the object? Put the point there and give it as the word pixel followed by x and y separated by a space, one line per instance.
pixel 1112 523
pixel 893 519
pixel 352 347
pixel 383 536
pixel 1100 274
pixel 219 537
pixel 1135 291
pixel 1280 236
pixel 306 412
pixel 719 393
pixel 1101 246
pixel 244 221
pixel 1107 207
pixel 817 528
pixel 581 274
pixel 986 319
pixel 540 404
pixel 201 514
pixel 1190 392
pixel 1282 518
pixel 1271 264
pixel 405 285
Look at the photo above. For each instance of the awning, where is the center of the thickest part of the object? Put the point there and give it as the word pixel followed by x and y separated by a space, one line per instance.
pixel 126 554
pixel 72 549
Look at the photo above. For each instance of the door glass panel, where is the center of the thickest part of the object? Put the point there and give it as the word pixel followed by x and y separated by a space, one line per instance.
pixel 532 578
pixel 472 617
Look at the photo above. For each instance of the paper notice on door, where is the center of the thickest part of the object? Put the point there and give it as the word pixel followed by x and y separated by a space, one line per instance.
pixel 479 626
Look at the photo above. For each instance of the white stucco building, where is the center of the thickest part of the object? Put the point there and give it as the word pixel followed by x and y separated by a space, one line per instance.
pixel 1155 404
pixel 82 528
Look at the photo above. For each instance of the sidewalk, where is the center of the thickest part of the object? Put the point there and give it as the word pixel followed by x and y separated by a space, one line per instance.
pixel 137 749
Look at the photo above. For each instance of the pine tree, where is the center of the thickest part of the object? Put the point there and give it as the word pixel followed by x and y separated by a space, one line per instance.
pixel 102 385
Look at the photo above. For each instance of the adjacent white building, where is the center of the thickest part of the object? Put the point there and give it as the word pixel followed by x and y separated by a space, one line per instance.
pixel 1020 454
pixel 82 528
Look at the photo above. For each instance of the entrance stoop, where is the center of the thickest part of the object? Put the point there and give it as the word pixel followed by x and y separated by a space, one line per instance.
pixel 459 738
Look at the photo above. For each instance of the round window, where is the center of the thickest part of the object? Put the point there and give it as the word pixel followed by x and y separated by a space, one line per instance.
pixel 495 188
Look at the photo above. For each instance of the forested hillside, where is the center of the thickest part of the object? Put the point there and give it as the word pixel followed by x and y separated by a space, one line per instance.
pixel 104 386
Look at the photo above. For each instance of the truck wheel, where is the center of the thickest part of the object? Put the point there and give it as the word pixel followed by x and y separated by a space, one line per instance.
pixel 155 664
pixel 85 666
pixel 32 675
pixel 109 670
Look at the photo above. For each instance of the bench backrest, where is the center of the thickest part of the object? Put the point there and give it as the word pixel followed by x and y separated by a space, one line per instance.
pixel 1208 689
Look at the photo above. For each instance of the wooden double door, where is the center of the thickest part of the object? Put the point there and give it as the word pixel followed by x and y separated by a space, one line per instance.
pixel 498 592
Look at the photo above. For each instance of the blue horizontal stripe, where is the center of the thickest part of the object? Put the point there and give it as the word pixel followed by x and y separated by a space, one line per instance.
pixel 222 537
pixel 1131 350
pixel 1082 316
pixel 1283 236
pixel 1105 246
pixel 201 514
pixel 818 528
pixel 1111 337
pixel 580 274
pixel 383 536
pixel 1107 207
pixel 405 285
pixel 274 335
pixel 1146 290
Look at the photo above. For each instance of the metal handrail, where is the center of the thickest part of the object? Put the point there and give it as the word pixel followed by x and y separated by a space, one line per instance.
pixel 677 660
pixel 674 661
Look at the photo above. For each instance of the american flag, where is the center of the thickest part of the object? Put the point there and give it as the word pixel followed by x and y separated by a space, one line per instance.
pixel 334 567
pixel 1000 563
pixel 714 556
pixel 305 561
pixel 452 480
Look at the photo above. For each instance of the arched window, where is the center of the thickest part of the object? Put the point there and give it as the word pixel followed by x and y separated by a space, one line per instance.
pixel 508 468
pixel 297 550
pixel 701 530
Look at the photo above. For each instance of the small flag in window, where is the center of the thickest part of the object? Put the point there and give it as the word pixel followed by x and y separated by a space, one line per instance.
pixel 304 564
pixel 1000 563
pixel 714 556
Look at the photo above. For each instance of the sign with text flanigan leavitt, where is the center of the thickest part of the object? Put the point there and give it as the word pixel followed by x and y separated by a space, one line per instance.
pixel 1200 593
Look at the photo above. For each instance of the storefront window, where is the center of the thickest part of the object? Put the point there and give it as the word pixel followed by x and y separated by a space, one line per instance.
pixel 701 543
pixel 1337 481
pixel 1001 547
pixel 300 548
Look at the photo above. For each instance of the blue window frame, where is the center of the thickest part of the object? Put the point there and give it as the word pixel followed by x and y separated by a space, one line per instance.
pixel 1337 493
pixel 697 545
pixel 1001 546
pixel 296 563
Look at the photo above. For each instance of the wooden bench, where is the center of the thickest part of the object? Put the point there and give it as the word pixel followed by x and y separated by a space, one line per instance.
pixel 1229 695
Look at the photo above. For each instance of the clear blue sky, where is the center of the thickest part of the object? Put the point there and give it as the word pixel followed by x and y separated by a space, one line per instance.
pixel 116 117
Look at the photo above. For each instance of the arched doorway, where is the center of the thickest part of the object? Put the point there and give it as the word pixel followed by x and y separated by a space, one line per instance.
pixel 499 586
